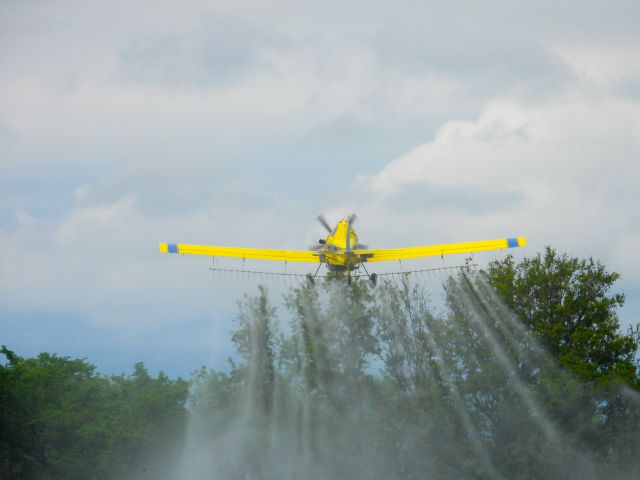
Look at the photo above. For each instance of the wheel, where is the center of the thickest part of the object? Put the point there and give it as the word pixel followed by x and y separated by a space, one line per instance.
pixel 310 281
pixel 373 280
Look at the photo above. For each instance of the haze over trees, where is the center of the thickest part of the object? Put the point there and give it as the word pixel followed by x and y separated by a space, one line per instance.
pixel 525 374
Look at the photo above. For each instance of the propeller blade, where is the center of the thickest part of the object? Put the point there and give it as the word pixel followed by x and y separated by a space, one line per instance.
pixel 352 218
pixel 316 247
pixel 361 246
pixel 324 223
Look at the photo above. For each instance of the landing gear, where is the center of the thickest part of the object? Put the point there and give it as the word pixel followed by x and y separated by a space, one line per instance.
pixel 311 279
pixel 311 282
pixel 373 277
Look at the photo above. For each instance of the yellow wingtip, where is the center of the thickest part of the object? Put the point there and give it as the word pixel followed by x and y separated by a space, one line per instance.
pixel 522 242
pixel 164 248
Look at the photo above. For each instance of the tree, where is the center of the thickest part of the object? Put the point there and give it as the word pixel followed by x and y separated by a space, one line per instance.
pixel 40 409
pixel 566 303
pixel 254 341
pixel 60 419
pixel 373 383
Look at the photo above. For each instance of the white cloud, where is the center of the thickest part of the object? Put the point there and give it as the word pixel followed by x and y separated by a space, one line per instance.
pixel 127 124
pixel 101 260
pixel 569 161
pixel 607 64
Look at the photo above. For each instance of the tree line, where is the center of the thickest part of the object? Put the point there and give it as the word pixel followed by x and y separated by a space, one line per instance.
pixel 524 374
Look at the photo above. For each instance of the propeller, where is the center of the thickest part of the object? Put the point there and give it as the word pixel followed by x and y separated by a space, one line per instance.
pixel 361 246
pixel 350 221
pixel 352 218
pixel 318 246
pixel 324 223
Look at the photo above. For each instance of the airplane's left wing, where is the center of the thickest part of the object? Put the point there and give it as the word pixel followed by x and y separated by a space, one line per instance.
pixel 382 255
pixel 239 252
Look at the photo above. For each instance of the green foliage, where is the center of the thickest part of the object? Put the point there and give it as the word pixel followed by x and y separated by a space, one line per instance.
pixel 62 420
pixel 524 375
pixel 254 342
pixel 372 383
pixel 565 302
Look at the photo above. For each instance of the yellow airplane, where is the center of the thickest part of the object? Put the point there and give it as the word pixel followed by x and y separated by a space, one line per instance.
pixel 340 250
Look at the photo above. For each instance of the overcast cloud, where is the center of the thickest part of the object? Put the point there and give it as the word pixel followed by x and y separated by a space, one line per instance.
pixel 122 125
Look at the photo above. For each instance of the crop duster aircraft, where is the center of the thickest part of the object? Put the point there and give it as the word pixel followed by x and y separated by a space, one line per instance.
pixel 341 250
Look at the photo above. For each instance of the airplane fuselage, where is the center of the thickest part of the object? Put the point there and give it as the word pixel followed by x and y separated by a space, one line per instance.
pixel 338 247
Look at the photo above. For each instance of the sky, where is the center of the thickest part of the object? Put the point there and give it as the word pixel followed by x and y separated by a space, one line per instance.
pixel 125 124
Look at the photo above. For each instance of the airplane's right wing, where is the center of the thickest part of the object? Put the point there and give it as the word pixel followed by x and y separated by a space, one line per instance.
pixel 381 255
